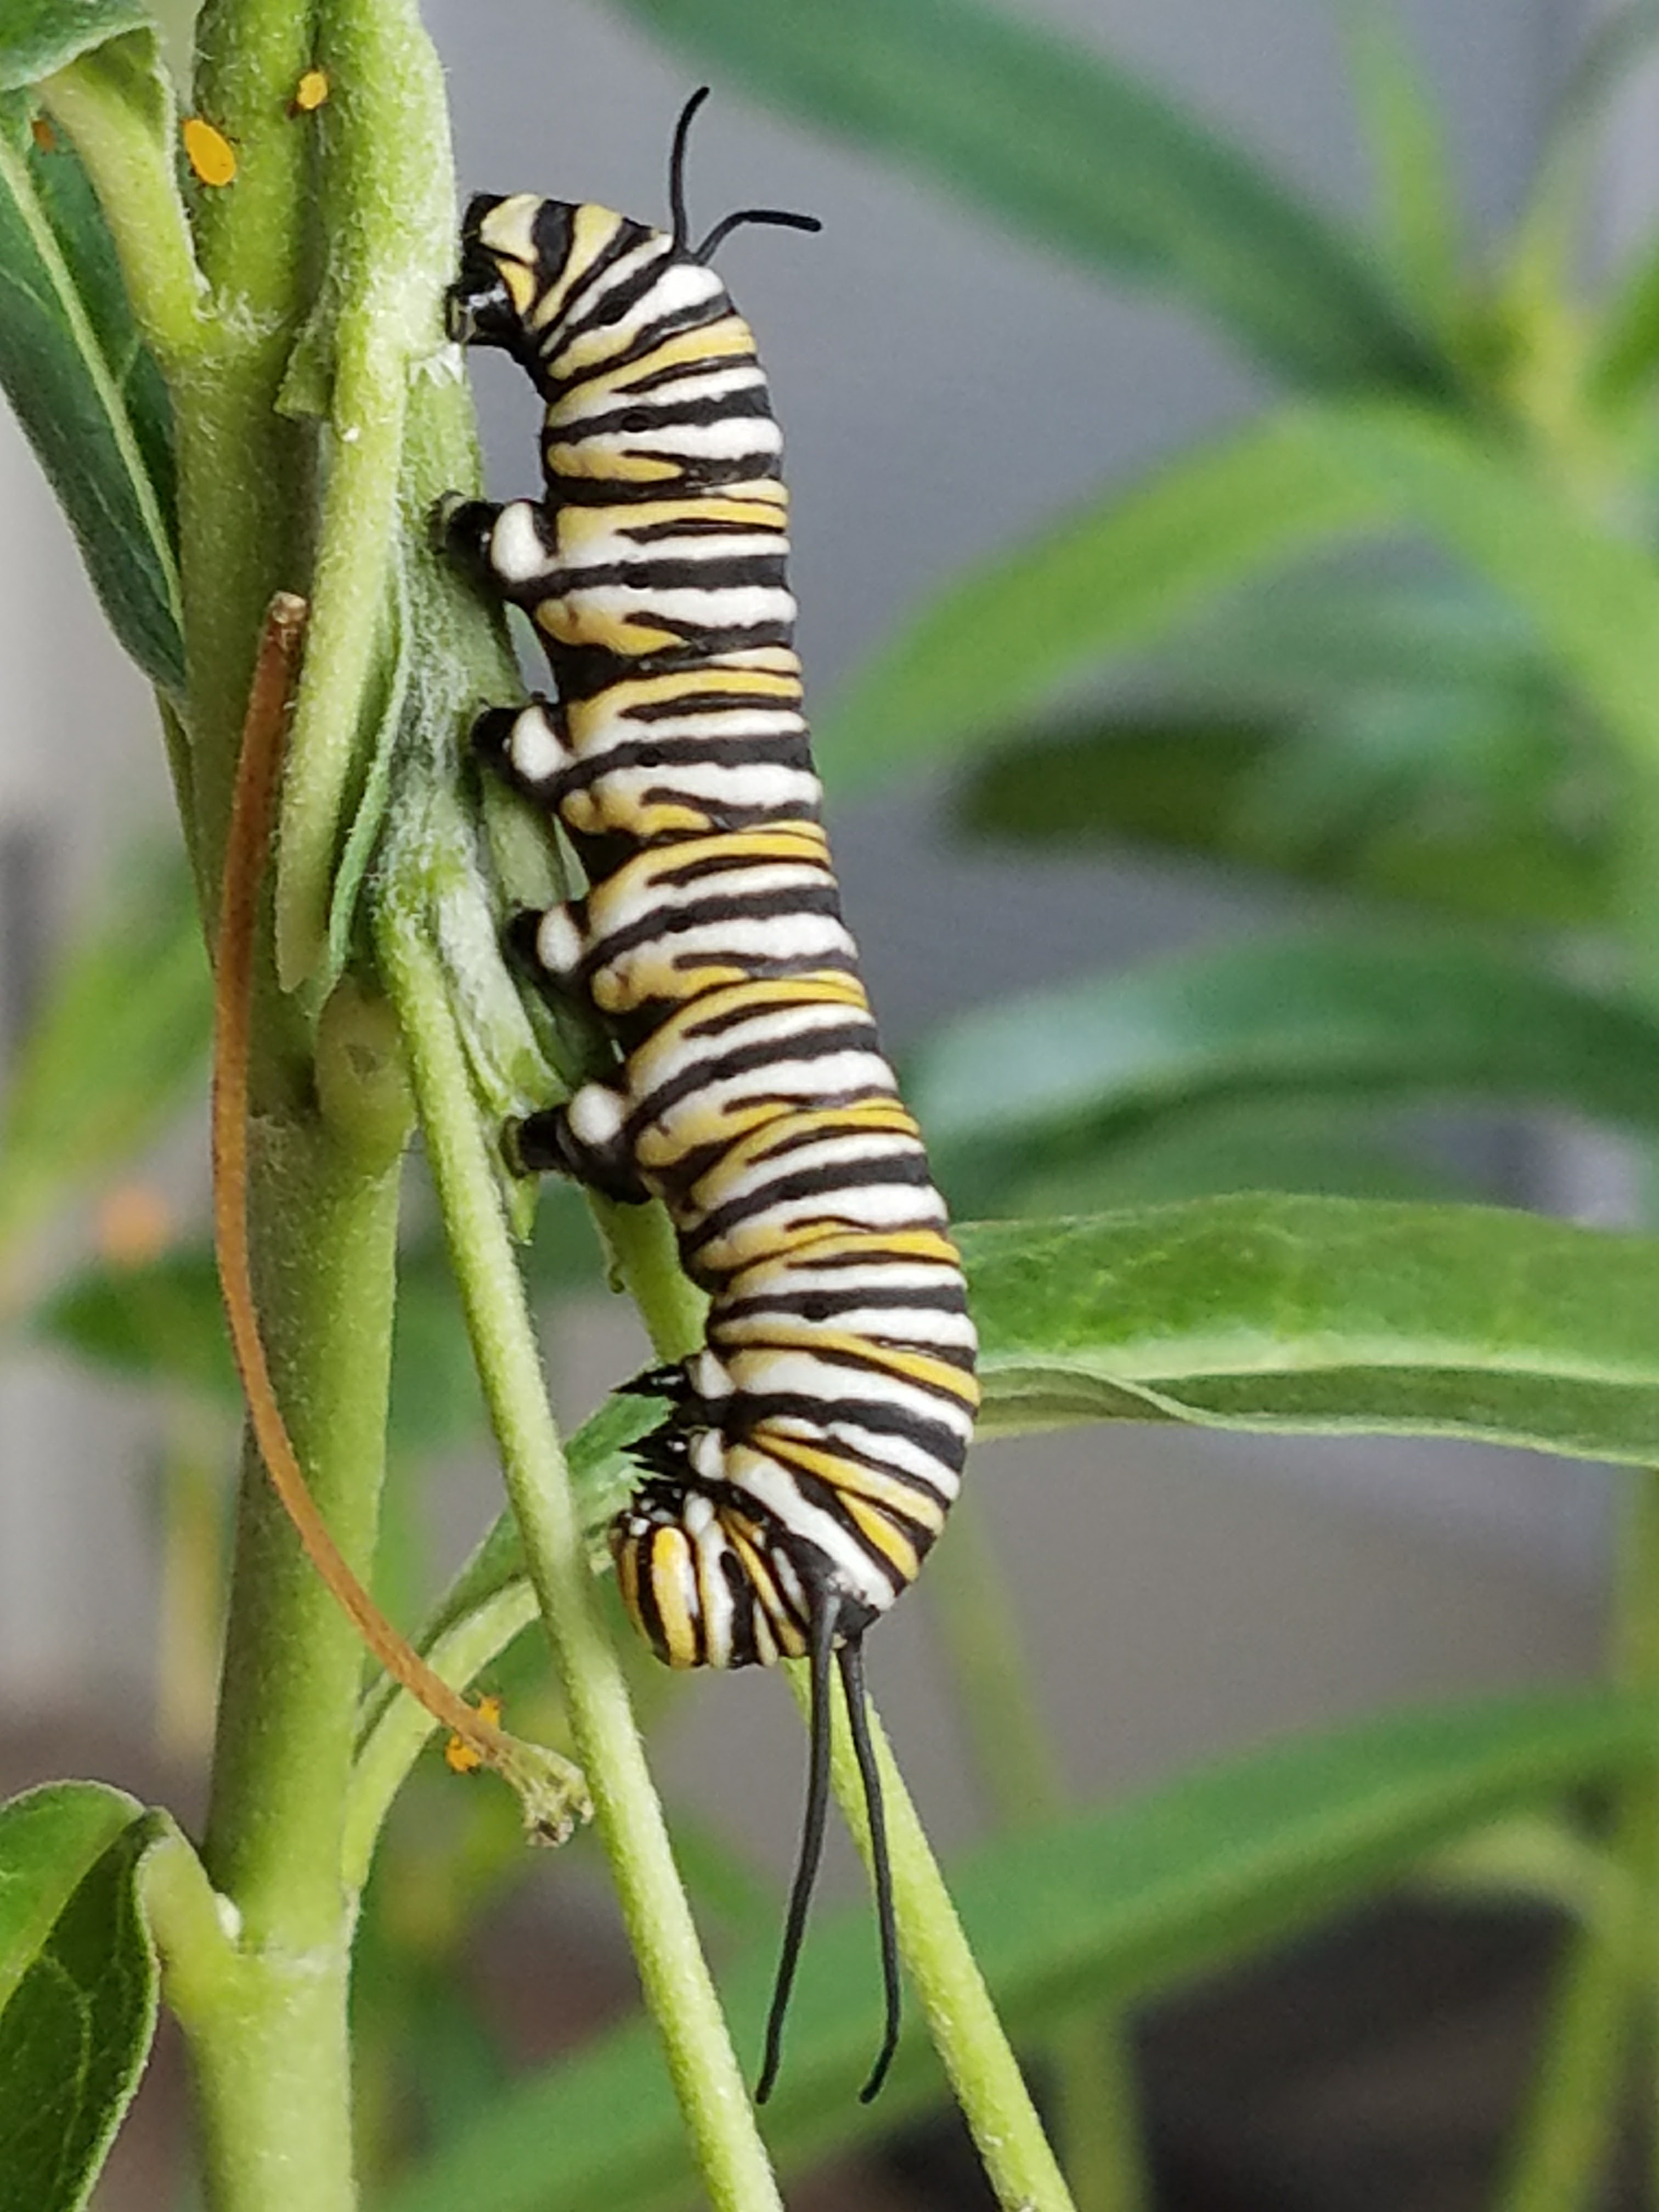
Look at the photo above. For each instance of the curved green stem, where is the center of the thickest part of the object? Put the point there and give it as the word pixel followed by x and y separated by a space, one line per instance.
pixel 678 1989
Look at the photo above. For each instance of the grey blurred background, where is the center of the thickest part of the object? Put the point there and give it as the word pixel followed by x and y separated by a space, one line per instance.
pixel 942 388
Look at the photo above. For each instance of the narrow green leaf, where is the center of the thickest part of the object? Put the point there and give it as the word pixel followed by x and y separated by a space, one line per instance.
pixel 1112 577
pixel 121 1043
pixel 1479 804
pixel 1105 1906
pixel 1376 1015
pixel 1551 226
pixel 1322 1316
pixel 1410 157
pixel 86 391
pixel 77 1987
pixel 1052 138
pixel 1015 630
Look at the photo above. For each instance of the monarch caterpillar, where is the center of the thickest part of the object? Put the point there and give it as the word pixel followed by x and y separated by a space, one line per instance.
pixel 814 1444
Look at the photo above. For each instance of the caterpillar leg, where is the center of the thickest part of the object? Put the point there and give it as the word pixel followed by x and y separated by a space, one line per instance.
pixel 500 547
pixel 586 1139
pixel 529 745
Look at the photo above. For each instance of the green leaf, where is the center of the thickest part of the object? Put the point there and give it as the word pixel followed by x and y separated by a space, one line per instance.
pixel 1465 805
pixel 1376 1015
pixel 1116 575
pixel 1054 139
pixel 1016 629
pixel 120 1043
pixel 1272 1143
pixel 1322 1316
pixel 1410 158
pixel 162 1323
pixel 77 1987
pixel 39 37
pixel 86 391
pixel 1102 1907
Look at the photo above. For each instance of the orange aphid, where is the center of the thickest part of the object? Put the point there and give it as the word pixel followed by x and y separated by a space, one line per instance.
pixel 310 93
pixel 44 137
pixel 460 1757
pixel 209 153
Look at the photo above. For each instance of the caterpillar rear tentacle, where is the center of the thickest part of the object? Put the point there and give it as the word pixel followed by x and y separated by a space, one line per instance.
pixel 811 1451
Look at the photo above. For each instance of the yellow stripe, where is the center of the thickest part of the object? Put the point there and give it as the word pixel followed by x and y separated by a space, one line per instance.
pixel 591 229
pixel 888 1538
pixel 729 337
pixel 671 1554
pixel 846 1475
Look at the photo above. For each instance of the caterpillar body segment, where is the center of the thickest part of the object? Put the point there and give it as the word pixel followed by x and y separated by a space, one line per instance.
pixel 812 1449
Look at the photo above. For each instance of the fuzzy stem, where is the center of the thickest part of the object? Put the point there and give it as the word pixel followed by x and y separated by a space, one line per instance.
pixel 273 2079
pixel 674 1976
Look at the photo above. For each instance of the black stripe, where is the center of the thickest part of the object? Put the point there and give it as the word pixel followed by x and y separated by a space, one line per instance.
pixel 702 572
pixel 712 703
pixel 756 1058
pixel 881 1419
pixel 586 672
pixel 554 235
pixel 702 365
pixel 822 1181
pixel 947 1298
pixel 744 1600
pixel 702 525
pixel 719 863
pixel 644 343
pixel 749 404
pixel 788 749
pixel 674 921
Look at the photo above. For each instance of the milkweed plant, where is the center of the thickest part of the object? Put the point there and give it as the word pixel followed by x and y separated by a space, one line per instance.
pixel 1397 636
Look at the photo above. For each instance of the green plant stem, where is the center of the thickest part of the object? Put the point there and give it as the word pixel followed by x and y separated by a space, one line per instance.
pixel 1019 1774
pixel 388 201
pixel 244 473
pixel 1566 2132
pixel 273 2074
pixel 961 2021
pixel 677 1987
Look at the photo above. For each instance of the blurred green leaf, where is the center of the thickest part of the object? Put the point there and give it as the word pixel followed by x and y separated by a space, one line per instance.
pixel 1018 629
pixel 1104 1906
pixel 1401 797
pixel 1307 636
pixel 1376 1015
pixel 1322 1316
pixel 1054 138
pixel 77 1987
pixel 1551 229
pixel 1626 342
pixel 1416 189
pixel 120 1043
pixel 1325 1148
pixel 87 392
pixel 162 1322
pixel 1482 805
pixel 1117 575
